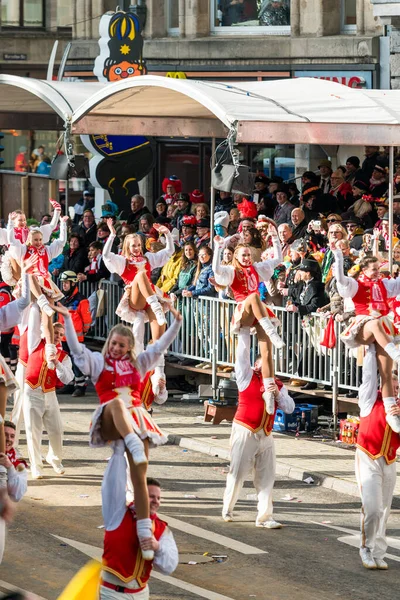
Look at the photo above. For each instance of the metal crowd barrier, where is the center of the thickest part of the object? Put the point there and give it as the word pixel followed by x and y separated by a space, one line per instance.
pixel 205 336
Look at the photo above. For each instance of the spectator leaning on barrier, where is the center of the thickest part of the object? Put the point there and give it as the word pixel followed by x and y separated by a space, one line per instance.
pixel 76 256
pixel 78 307
pixel 201 285
pixel 96 269
pixel 188 266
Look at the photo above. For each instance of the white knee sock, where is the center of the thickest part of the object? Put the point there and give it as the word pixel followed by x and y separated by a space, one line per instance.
pixel 392 350
pixel 392 420
pixel 144 530
pixel 157 309
pixel 271 332
pixel 136 448
pixel 269 397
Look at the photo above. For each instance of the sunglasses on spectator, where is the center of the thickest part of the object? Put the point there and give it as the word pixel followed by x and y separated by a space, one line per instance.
pixel 332 221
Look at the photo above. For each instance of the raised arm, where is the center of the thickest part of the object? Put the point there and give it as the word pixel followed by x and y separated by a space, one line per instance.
pixel 47 230
pixel 16 248
pixel 347 287
pixel 222 275
pixel 243 370
pixel 3 237
pixel 34 331
pixel 113 487
pixel 160 258
pixel 368 391
pixel 90 363
pixel 114 262
pixel 266 268
pixel 148 359
pixel 392 287
pixel 11 314
pixel 56 247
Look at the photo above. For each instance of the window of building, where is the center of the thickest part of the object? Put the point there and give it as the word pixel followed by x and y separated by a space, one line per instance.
pixel 250 16
pixel 22 13
pixel 64 13
pixel 172 12
pixel 349 16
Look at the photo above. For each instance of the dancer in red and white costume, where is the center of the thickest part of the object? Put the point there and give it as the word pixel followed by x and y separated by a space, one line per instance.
pixel 370 294
pixel 117 374
pixel 243 278
pixel 377 444
pixel 40 404
pixel 17 220
pixel 251 443
pixel 141 301
pixel 125 574
pixel 17 415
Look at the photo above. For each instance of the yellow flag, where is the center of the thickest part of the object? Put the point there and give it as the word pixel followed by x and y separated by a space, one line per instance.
pixel 85 584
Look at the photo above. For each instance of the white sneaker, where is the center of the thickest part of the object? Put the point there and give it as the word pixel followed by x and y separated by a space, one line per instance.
pixel 367 559
pixel 381 564
pixel 269 400
pixel 270 524
pixel 58 467
pixel 160 317
pixel 227 517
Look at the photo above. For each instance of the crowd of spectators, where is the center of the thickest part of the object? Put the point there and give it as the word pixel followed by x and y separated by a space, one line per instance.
pixel 347 205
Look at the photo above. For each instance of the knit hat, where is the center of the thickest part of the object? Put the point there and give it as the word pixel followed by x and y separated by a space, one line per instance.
pixel 380 169
pixel 221 218
pixel 196 197
pixel 309 189
pixel 354 160
pixel 247 209
pixel 172 180
pixel 109 209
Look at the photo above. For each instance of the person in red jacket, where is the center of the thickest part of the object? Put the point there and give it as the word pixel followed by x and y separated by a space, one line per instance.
pixel 252 445
pixel 79 309
pixel 375 465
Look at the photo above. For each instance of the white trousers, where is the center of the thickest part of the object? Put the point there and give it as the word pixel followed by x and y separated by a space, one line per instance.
pixel 107 594
pixel 251 451
pixel 376 481
pixel 3 533
pixel 17 416
pixel 42 410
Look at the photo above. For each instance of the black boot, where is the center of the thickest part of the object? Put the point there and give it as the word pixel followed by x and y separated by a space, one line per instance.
pixel 311 385
pixel 67 389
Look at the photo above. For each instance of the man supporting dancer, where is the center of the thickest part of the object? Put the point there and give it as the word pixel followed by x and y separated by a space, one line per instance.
pixel 252 444
pixel 125 572
pixel 375 466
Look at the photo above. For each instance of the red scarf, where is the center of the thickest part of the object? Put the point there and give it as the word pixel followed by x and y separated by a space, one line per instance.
pixel 378 295
pixel 21 234
pixel 123 370
pixel 133 259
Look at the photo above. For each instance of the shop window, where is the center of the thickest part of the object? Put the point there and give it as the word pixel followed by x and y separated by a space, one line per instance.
pixel 172 12
pixel 250 16
pixel 349 16
pixel 22 13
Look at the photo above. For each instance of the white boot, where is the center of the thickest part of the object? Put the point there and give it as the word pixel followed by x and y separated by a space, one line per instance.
pixel 138 331
pixel 44 305
pixel 144 530
pixel 136 448
pixel 271 332
pixel 50 350
pixel 269 397
pixel 157 309
pixel 392 420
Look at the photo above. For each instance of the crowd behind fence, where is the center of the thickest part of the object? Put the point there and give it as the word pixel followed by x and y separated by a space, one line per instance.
pixel 206 337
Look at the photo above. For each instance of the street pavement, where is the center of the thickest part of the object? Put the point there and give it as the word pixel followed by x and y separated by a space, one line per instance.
pixel 59 523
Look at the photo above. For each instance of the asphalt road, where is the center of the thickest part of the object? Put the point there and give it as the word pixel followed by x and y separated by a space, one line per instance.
pixel 310 558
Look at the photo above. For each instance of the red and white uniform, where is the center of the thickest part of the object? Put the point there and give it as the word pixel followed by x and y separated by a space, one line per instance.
pixel 123 564
pixel 17 476
pixel 21 233
pixel 121 379
pixel 246 281
pixel 128 270
pixel 375 460
pixel 20 251
pixel 40 405
pixel 17 412
pixel 251 443
pixel 370 299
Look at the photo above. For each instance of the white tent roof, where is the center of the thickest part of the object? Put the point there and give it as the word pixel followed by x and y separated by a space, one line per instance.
pixel 285 111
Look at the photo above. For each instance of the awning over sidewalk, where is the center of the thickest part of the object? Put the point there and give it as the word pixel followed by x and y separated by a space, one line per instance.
pixel 303 110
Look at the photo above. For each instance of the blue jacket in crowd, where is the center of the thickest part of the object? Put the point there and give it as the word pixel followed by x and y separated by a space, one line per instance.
pixel 203 286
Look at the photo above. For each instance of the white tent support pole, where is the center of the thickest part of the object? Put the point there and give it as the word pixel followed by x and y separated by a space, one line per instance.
pixel 391 180
pixel 66 196
pixel 212 191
